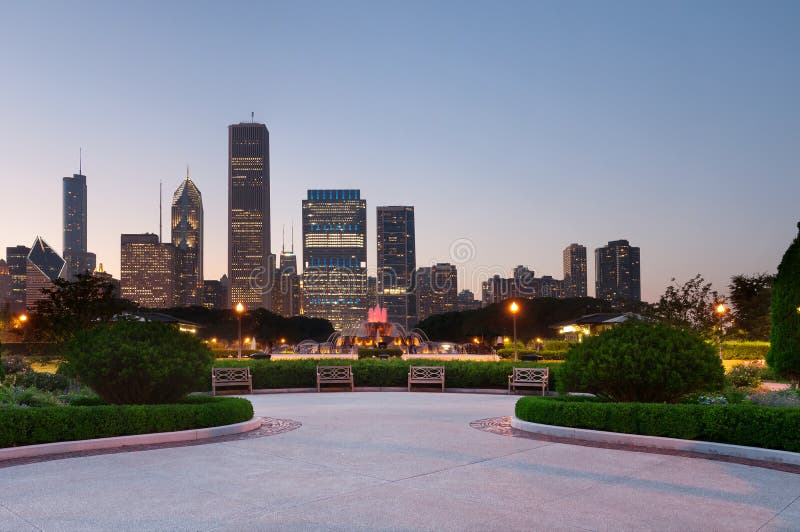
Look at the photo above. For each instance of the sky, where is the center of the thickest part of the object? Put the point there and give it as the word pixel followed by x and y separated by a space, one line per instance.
pixel 513 128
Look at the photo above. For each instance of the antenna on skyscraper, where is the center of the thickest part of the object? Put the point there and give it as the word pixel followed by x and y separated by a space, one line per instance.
pixel 292 236
pixel 159 212
pixel 80 161
pixel 252 117
pixel 283 239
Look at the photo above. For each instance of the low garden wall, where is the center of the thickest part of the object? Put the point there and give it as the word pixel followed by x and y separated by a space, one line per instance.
pixel 740 424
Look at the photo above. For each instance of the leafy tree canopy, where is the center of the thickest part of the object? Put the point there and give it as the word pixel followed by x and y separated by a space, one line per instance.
pixel 750 297
pixel 690 306
pixel 784 352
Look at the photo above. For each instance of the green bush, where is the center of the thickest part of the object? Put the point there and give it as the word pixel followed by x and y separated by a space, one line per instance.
pixel 745 350
pixel 130 362
pixel 372 372
pixel 11 396
pixel 364 352
pixel 15 365
pixel 28 426
pixel 784 353
pixel 745 376
pixel 50 382
pixel 740 424
pixel 642 362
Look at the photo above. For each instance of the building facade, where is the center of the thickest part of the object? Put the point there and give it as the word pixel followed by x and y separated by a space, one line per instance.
pixel 187 236
pixel 215 295
pixel 251 264
pixel 5 286
pixel 617 272
pixel 286 294
pixel 436 289
pixel 467 301
pixel 75 253
pixel 43 267
pixel 575 282
pixel 149 274
pixel 335 256
pixel 17 260
pixel 397 262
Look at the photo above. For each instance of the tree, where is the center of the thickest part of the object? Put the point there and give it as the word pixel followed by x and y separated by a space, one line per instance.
pixel 784 351
pixel 750 304
pixel 690 306
pixel 72 306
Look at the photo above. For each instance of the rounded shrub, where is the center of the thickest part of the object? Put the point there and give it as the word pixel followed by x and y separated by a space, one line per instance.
pixel 784 353
pixel 129 362
pixel 642 362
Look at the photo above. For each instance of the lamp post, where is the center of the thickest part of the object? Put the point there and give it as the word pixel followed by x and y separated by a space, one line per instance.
pixel 514 309
pixel 721 310
pixel 239 311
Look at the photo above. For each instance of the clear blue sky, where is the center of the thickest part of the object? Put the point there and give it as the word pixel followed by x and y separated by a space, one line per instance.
pixel 519 126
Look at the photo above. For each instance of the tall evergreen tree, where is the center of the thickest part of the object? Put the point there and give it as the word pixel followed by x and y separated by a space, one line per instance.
pixel 784 352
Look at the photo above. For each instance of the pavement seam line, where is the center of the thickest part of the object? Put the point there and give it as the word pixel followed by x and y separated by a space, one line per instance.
pixel 20 517
pixel 771 519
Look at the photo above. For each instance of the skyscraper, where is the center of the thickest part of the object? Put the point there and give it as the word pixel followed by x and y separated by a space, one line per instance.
pixel 286 294
pixel 5 286
pixel 397 262
pixel 436 289
pixel 17 259
pixel 77 257
pixel 575 271
pixel 149 271
pixel 251 264
pixel 335 256
pixel 43 267
pixel 187 236
pixel 617 273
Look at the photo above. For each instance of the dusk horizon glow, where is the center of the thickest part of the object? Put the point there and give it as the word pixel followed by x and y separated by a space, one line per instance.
pixel 514 130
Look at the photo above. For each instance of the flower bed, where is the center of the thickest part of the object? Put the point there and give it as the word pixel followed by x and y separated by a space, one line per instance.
pixel 739 424
pixel 28 426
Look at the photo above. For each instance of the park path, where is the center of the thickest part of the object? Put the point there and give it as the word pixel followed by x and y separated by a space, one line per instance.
pixel 393 461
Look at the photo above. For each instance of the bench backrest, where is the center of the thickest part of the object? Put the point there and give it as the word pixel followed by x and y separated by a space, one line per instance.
pixel 334 372
pixel 426 372
pixel 231 374
pixel 531 375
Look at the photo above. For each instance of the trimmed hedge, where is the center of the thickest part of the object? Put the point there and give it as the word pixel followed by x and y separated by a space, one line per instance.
pixel 740 424
pixel 28 426
pixel 744 350
pixel 372 372
pixel 364 352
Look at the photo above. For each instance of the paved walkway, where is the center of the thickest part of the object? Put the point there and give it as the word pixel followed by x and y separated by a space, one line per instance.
pixel 393 461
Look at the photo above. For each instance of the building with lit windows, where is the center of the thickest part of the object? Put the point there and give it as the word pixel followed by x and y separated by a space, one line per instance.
pixel 43 267
pixel 335 257
pixel 436 288
pixel 251 264
pixel 215 294
pixel 467 301
pixel 149 274
pixel 286 294
pixel 17 260
pixel 575 283
pixel 78 258
pixel 397 261
pixel 187 236
pixel 5 286
pixel 617 272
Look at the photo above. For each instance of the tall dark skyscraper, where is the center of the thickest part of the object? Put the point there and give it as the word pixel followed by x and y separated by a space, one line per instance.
pixel 436 289
pixel 43 267
pixel 251 264
pixel 335 256
pixel 286 294
pixel 79 260
pixel 617 272
pixel 17 260
pixel 187 236
pixel 397 261
pixel 575 271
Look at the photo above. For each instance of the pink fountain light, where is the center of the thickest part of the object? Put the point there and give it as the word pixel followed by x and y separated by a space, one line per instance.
pixel 377 315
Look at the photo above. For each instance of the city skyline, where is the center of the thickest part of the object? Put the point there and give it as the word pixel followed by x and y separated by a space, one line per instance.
pixel 690 163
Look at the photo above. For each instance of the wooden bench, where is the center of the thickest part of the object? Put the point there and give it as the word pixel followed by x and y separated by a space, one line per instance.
pixel 529 378
pixel 334 375
pixel 425 375
pixel 228 377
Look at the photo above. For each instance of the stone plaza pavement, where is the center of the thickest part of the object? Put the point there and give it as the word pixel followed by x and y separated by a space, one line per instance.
pixel 393 461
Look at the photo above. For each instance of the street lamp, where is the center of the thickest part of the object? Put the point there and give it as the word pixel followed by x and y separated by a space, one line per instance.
pixel 514 308
pixel 721 310
pixel 239 311
pixel 23 318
